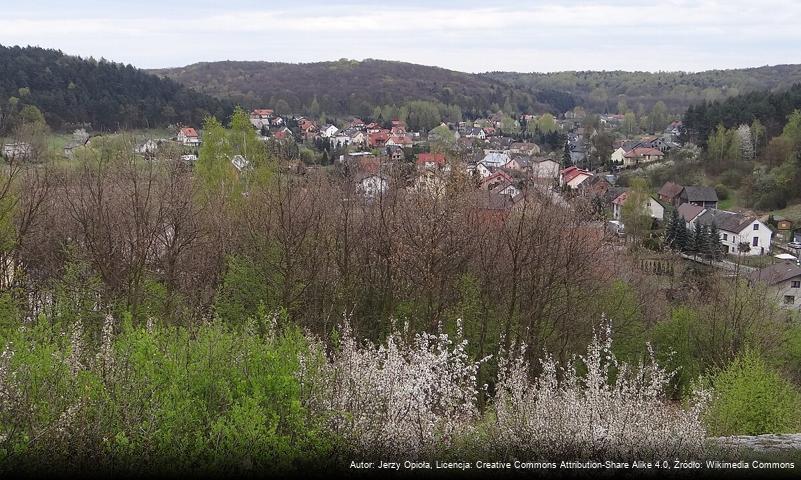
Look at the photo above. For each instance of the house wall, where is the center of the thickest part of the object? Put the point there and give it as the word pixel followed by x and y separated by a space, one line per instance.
pixel 656 209
pixel 785 289
pixel 732 240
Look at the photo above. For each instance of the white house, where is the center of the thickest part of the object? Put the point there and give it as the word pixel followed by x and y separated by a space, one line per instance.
pixel 148 147
pixel 573 177
pixel 483 170
pixel 189 137
pixel 372 185
pixel 617 156
pixel 260 117
pixel 654 208
pixel 328 131
pixel 545 169
pixel 16 150
pixel 739 234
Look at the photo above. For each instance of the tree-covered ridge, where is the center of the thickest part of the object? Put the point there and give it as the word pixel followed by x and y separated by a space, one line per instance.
pixel 770 108
pixel 602 91
pixel 357 87
pixel 71 90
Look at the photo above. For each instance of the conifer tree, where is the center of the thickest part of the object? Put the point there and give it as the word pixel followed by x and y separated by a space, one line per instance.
pixel 714 244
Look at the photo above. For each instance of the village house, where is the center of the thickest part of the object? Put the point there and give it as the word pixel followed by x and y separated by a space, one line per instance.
pixel 147 147
pixel 701 196
pixel 378 139
pixel 689 212
pixel 188 137
pixel 639 155
pixel 429 182
pixel 669 193
pixel 544 169
pixel 430 161
pixel 395 153
pixel 572 177
pixel 739 234
pixel 372 185
pixel 16 150
pixel 400 140
pixel 783 282
pixel 260 117
pixel 655 209
pixel 519 163
pixel 474 132
pixel 498 178
pixel 524 148
pixel 328 131
pixel 480 169
pixel 495 159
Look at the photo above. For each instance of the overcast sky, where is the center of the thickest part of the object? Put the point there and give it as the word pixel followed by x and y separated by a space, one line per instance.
pixel 468 35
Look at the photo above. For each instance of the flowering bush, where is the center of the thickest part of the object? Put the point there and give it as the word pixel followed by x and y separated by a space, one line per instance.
pixel 614 410
pixel 412 397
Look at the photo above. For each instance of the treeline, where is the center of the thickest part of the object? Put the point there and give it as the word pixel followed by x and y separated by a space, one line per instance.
pixel 752 145
pixel 74 92
pixel 349 87
pixel 601 91
pixel 770 108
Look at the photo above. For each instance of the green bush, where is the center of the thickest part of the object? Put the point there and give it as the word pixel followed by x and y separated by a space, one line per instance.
pixel 160 400
pixel 751 399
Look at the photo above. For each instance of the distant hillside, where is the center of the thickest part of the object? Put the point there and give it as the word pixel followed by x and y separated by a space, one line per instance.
pixel 72 90
pixel 357 87
pixel 601 91
pixel 770 108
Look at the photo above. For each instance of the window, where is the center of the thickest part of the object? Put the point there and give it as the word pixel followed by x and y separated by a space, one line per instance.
pixel 789 299
pixel 756 226
pixel 725 236
pixel 755 243
pixel 795 284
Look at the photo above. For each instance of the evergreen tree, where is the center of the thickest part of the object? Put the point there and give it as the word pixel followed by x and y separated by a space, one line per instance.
pixel 682 236
pixel 714 245
pixel 671 229
pixel 566 161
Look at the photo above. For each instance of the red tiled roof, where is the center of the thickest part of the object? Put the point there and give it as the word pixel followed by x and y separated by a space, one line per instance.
pixel 437 158
pixel 189 132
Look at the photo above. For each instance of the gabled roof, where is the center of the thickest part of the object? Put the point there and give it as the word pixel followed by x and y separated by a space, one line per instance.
pixel 643 151
pixel 729 221
pixel 621 199
pixel 688 211
pixel 670 190
pixel 499 175
pixel 496 158
pixel 423 158
pixel 613 192
pixel 189 132
pixel 776 273
pixel 699 194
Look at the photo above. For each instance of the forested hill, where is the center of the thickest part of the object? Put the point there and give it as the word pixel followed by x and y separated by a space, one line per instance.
pixel 601 91
pixel 770 108
pixel 357 87
pixel 71 91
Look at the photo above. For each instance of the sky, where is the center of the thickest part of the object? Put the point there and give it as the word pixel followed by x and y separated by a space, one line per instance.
pixel 468 35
